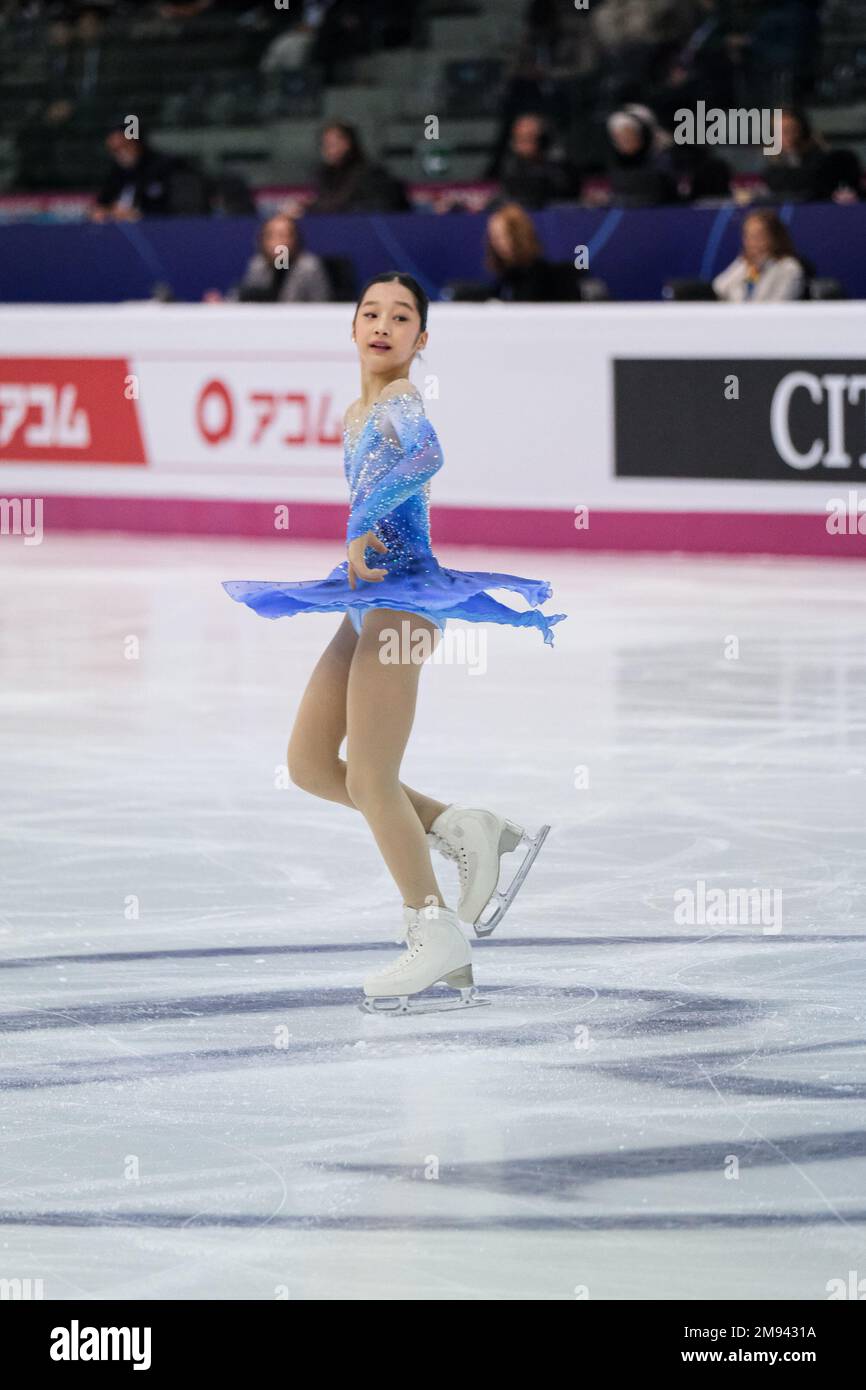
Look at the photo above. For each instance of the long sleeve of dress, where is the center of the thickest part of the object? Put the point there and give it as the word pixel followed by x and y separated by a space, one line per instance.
pixel 409 455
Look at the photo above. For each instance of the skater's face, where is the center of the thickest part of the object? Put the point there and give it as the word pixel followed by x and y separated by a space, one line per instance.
pixel 387 329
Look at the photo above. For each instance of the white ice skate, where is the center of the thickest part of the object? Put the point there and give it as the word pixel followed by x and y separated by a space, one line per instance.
pixel 477 840
pixel 438 953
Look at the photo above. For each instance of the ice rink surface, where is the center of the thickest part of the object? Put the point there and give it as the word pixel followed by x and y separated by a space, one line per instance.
pixel 658 1103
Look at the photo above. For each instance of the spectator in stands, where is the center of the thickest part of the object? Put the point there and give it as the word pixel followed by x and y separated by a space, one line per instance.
pixel 140 182
pixel 50 70
pixel 640 176
pixel 624 23
pixel 783 39
pixel 559 39
pixel 343 33
pixel 700 69
pixel 806 170
pixel 703 177
pixel 632 34
pixel 347 181
pixel 532 172
pixel 67 67
pixel 282 270
pixel 768 269
pixel 289 51
pixel 555 51
pixel 90 36
pixel 513 253
pixel 351 28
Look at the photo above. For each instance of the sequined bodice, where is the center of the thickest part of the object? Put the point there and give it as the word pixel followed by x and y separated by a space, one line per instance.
pixel 388 464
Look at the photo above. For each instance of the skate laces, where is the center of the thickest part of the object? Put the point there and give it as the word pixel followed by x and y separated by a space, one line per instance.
pixel 453 852
pixel 412 936
pixel 458 852
pixel 444 848
pixel 462 865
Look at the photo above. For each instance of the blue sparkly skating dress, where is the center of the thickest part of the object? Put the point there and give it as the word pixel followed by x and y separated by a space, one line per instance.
pixel 388 469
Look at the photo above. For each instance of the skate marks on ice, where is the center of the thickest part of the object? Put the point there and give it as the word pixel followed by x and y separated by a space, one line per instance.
pixel 418 1224
pixel 534 1018
pixel 654 1010
pixel 569 1176
pixel 740 773
pixel 326 948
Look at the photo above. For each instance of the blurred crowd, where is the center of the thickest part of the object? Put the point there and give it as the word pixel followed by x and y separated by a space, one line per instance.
pixel 630 64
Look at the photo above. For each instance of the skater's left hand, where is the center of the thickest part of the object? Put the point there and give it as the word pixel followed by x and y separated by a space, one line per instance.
pixel 357 564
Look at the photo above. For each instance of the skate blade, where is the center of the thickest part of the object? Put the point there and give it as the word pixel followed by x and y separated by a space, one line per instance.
pixel 505 899
pixel 390 1005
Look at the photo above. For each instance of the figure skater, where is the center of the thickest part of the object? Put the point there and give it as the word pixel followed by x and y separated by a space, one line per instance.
pixel 391 584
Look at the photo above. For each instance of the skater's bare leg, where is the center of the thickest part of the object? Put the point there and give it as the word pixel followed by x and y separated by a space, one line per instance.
pixel 380 709
pixel 320 727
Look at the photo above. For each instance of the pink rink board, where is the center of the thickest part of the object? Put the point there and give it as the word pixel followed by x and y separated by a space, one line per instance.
pixel 728 533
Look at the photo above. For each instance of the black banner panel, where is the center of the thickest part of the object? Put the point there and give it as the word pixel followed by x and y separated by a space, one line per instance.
pixel 745 418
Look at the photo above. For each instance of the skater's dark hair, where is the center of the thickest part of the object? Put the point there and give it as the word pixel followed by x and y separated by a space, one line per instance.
pixel 409 282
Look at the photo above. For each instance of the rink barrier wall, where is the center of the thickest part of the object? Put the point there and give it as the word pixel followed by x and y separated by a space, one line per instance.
pixel 700 533
pixel 563 427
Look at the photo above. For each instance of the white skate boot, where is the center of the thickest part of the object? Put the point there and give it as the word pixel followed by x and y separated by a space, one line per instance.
pixel 477 840
pixel 438 952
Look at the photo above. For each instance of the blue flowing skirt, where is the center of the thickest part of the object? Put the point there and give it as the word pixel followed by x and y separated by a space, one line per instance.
pixel 424 587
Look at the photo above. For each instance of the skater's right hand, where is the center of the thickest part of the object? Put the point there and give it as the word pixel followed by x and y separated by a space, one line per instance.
pixel 357 566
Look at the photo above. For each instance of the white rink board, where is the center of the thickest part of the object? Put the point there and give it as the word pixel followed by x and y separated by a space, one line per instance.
pixel 521 397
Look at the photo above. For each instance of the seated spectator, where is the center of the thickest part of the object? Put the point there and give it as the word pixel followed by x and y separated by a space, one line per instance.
pixel 706 176
pixel 290 49
pixel 65 71
pixel 701 69
pixel 805 170
pixel 623 23
pixel 52 73
pixel 282 270
pixel 346 181
pixel 532 173
pixel 768 270
pixel 555 53
pixel 141 180
pixel 513 253
pixel 783 37
pixel 632 34
pixel 637 170
pixel 342 34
